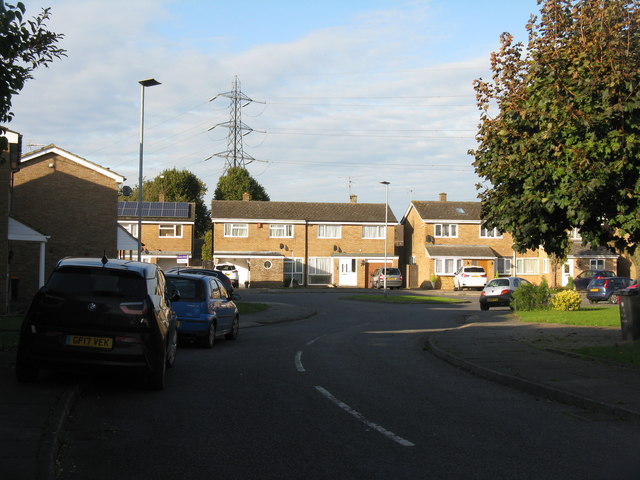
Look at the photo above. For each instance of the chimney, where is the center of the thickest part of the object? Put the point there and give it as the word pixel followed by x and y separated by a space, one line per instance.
pixel 353 198
pixel 246 197
pixel 443 197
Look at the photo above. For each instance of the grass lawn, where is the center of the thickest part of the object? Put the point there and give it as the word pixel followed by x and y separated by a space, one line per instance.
pixel 624 353
pixel 246 308
pixel 590 316
pixel 9 332
pixel 404 299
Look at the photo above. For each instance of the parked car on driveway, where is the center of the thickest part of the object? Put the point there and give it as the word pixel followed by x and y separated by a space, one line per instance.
pixel 498 292
pixel 203 271
pixel 581 282
pixel 394 278
pixel 99 313
pixel 602 289
pixel 470 276
pixel 230 271
pixel 205 309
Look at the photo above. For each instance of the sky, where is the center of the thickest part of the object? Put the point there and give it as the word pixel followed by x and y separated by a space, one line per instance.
pixel 345 93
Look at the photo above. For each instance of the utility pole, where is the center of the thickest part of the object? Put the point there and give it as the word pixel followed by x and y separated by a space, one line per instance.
pixel 235 155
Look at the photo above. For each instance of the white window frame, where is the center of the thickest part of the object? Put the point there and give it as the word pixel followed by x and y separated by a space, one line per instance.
pixel 545 265
pixel 527 266
pixel 489 232
pixel 323 270
pixel 445 230
pixel 575 234
pixel 173 230
pixel 280 230
pixel 325 231
pixel 596 263
pixel 132 228
pixel 293 267
pixel 447 266
pixel 374 232
pixel 236 230
pixel 504 265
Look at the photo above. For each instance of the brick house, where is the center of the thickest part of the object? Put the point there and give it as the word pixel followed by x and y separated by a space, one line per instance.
pixel 441 236
pixel 69 201
pixel 167 231
pixel 275 244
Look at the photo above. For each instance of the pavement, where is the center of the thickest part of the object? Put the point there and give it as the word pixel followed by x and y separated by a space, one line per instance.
pixel 535 358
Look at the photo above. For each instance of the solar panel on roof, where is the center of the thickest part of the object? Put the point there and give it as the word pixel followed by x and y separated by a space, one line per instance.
pixel 154 209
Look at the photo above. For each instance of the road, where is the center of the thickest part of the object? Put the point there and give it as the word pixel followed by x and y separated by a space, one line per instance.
pixel 349 393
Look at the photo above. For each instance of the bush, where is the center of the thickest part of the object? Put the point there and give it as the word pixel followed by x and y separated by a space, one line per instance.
pixel 570 284
pixel 531 297
pixel 568 300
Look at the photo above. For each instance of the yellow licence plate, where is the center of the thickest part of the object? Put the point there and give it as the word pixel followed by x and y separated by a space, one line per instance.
pixel 92 342
pixel 593 290
pixel 492 299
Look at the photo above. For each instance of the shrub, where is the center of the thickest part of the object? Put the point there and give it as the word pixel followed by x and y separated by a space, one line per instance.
pixel 570 284
pixel 569 300
pixel 531 297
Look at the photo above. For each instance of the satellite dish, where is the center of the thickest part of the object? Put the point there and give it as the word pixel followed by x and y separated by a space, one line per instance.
pixel 127 191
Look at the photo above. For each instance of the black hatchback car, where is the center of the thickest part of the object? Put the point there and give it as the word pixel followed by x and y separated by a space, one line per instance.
pixel 203 271
pixel 94 313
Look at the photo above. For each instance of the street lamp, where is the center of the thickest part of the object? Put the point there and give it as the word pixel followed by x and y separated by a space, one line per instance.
pixel 150 82
pixel 386 221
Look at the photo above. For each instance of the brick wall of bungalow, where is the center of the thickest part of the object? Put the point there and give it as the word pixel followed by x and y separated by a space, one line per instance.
pixel 303 244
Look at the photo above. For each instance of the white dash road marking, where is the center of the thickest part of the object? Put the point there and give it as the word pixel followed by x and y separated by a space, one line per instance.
pixel 359 416
pixel 311 342
pixel 299 365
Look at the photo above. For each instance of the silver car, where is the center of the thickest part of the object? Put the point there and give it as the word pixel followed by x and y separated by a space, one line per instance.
pixel 394 278
pixel 497 293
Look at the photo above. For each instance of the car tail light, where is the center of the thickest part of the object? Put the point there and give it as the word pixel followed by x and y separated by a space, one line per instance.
pixel 504 292
pixel 482 294
pixel 400 277
pixel 465 275
pixel 483 275
pixel 134 308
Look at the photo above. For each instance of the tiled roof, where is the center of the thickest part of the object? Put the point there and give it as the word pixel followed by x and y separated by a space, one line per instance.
pixel 576 249
pixel 466 251
pixel 448 210
pixel 311 212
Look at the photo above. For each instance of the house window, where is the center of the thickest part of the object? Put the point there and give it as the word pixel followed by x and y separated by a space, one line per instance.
pixel 293 270
pixel 489 232
pixel 329 231
pixel 504 266
pixel 575 234
pixel 236 230
pixel 373 231
pixel 446 230
pixel 545 265
pixel 170 231
pixel 132 228
pixel 267 264
pixel 447 266
pixel 596 264
pixel 527 266
pixel 280 230
pixel 320 271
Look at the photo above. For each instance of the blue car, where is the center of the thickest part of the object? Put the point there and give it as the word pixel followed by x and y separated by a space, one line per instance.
pixel 602 289
pixel 205 309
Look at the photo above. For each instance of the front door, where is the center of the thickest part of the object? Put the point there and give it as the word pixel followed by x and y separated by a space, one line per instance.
pixel 567 271
pixel 348 272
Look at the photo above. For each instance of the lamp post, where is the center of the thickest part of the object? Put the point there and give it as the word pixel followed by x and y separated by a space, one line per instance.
pixel 150 82
pixel 386 221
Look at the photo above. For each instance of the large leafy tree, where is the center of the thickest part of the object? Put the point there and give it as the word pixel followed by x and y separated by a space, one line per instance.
pixel 237 181
pixel 174 185
pixel 559 138
pixel 25 45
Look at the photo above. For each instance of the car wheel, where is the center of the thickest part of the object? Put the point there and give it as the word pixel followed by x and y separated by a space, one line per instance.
pixel 172 348
pixel 25 372
pixel 613 299
pixel 209 340
pixel 235 328
pixel 156 378
pixel 484 306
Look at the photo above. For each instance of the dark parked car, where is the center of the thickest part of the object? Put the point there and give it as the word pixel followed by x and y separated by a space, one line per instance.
pixel 205 309
pixel 203 271
pixel 98 313
pixel 581 282
pixel 498 292
pixel 602 289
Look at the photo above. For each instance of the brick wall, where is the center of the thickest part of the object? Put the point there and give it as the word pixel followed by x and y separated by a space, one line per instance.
pixel 74 205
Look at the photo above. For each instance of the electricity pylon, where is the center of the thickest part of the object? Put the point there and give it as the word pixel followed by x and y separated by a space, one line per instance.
pixel 235 155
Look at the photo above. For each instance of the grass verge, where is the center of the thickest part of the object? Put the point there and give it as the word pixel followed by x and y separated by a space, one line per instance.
pixel 404 299
pixel 591 317
pixel 247 308
pixel 628 353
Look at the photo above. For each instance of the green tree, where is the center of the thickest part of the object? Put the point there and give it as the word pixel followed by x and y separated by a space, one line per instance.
pixel 559 137
pixel 25 45
pixel 177 186
pixel 206 246
pixel 237 181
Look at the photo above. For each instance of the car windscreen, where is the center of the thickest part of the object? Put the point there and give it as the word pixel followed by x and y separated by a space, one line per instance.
pixel 190 288
pixel 98 281
pixel 499 282
pixel 474 269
